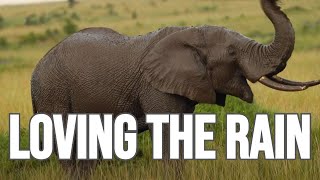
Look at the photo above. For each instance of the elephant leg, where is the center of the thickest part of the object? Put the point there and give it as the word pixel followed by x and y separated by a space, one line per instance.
pixel 78 169
pixel 69 166
pixel 176 165
pixel 49 101
pixel 81 169
pixel 160 102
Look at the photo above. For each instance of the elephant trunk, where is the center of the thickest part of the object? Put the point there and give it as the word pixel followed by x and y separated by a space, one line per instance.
pixel 270 59
pixel 280 50
pixel 265 61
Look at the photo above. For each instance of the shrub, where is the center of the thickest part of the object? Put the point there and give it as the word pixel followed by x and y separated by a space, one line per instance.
pixel 56 15
pixel 3 42
pixel 43 19
pixel 110 9
pixel 30 38
pixel 134 15
pixel 48 34
pixel 1 22
pixel 109 6
pixel 75 16
pixel 51 33
pixel 31 20
pixel 71 3
pixel 69 27
pixel 208 8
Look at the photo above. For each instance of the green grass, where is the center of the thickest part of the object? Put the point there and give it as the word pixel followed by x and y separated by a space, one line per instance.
pixel 22 46
pixel 144 167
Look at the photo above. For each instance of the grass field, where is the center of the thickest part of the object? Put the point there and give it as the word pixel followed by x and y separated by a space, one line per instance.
pixel 28 32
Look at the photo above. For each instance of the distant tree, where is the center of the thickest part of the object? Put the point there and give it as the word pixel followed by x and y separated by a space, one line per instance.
pixel 71 3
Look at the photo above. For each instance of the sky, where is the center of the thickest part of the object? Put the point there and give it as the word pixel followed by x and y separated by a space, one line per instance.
pixel 14 2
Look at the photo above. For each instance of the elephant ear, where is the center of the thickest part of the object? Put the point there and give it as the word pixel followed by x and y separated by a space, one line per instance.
pixel 176 65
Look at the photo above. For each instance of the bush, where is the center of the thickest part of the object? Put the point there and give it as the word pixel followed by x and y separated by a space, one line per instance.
pixel 75 16
pixel 50 33
pixel 30 38
pixel 110 9
pixel 3 42
pixel 43 19
pixel 56 15
pixel 69 27
pixel 109 6
pixel 208 8
pixel 71 3
pixel 1 22
pixel 134 15
pixel 31 20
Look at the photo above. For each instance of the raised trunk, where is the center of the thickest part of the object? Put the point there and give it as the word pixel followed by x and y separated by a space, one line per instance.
pixel 270 59
pixel 281 48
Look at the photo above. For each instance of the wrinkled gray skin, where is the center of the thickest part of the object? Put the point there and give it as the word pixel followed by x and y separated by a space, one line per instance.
pixel 98 70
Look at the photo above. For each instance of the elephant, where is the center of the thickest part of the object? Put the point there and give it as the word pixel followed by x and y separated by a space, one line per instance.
pixel 98 70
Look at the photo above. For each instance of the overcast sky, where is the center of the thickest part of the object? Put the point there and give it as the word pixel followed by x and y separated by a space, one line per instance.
pixel 13 2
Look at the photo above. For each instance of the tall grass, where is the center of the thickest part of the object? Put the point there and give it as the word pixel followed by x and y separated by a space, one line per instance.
pixel 138 17
pixel 142 167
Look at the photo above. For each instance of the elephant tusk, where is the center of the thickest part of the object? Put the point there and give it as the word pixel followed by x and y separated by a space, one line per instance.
pixel 282 87
pixel 294 83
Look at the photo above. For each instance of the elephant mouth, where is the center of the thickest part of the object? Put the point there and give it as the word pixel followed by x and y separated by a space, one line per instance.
pixel 281 84
pixel 221 99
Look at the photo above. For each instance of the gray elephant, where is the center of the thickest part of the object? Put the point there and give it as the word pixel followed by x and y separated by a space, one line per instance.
pixel 98 70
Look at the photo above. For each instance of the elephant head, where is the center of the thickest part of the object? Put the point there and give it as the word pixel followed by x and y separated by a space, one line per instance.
pixel 206 63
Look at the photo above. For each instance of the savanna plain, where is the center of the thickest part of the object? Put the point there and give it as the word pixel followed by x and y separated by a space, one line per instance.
pixel 28 32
